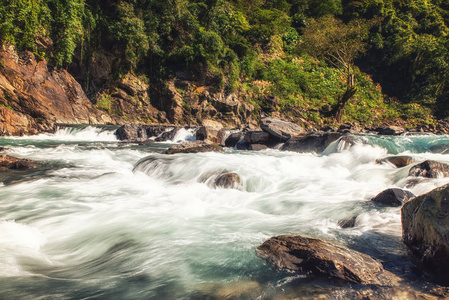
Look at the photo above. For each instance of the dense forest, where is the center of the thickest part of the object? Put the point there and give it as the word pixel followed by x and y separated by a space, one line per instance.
pixel 376 59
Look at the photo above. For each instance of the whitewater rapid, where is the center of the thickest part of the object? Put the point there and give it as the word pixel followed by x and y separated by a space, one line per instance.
pixel 107 220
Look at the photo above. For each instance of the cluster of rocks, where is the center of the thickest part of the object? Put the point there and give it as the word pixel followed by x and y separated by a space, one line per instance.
pixel 425 218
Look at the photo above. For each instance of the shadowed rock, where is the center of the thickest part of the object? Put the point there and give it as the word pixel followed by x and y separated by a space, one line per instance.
pixel 281 130
pixel 307 255
pixel 393 197
pixel 257 137
pixel 194 147
pixel 397 161
pixel 430 169
pixel 311 143
pixel 425 230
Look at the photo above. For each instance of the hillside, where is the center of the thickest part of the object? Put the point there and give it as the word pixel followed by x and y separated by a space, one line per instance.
pixel 313 62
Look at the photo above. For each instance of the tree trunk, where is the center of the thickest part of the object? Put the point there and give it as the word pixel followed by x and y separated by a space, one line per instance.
pixel 337 111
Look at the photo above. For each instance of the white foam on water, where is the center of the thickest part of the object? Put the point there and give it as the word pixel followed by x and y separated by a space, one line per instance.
pixel 89 133
pixel 100 217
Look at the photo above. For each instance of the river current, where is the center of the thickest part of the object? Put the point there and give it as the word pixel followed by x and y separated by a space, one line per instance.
pixel 91 222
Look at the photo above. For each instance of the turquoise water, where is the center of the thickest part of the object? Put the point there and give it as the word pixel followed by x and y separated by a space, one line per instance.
pixel 100 219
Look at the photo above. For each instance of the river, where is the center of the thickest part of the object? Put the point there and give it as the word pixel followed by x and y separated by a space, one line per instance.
pixel 92 223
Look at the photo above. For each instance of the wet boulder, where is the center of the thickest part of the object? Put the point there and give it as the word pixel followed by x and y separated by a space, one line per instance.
pixel 281 130
pixel 227 180
pixel 397 161
pixel 393 197
pixel 430 169
pixel 14 163
pixel 194 147
pixel 425 230
pixel 300 254
pixel 316 142
pixel 168 135
pixel 233 139
pixel 140 132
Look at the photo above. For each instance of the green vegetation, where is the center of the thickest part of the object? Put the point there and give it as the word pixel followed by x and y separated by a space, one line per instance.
pixel 325 60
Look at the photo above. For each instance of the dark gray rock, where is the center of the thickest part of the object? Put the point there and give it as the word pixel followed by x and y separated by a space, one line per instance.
pixel 233 139
pixel 311 143
pixel 307 255
pixel 347 223
pixel 257 137
pixel 281 130
pixel 167 135
pixel 140 132
pixel 425 230
pixel 393 197
pixel 430 169
pixel 194 147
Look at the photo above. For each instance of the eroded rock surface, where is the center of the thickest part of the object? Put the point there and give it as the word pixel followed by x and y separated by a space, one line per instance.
pixel 307 255
pixel 425 229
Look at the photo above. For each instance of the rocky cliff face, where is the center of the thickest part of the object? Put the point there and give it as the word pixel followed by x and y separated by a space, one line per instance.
pixel 33 97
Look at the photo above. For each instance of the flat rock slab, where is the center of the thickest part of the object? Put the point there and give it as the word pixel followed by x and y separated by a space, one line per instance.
pixel 280 129
pixel 430 169
pixel 194 147
pixel 425 230
pixel 300 254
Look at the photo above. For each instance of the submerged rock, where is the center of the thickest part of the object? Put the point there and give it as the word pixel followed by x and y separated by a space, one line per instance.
pixel 228 180
pixel 425 230
pixel 14 163
pixel 307 255
pixel 430 169
pixel 348 222
pixel 393 197
pixel 281 130
pixel 194 147
pixel 316 142
pixel 397 161
pixel 234 290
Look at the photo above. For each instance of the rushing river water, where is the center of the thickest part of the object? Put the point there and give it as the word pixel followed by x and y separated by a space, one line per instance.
pixel 88 224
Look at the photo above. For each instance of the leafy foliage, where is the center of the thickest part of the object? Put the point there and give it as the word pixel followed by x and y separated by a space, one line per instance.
pixel 292 49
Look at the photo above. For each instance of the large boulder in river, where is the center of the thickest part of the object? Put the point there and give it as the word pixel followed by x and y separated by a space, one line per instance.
pixel 300 254
pixel 425 230
pixel 281 130
pixel 393 197
pixel 194 147
pixel 430 169
pixel 134 132
pixel 316 142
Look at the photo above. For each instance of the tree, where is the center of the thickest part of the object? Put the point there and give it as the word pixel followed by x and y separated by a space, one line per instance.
pixel 339 44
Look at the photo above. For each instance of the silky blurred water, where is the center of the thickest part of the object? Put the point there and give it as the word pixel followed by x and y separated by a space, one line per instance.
pixel 100 219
